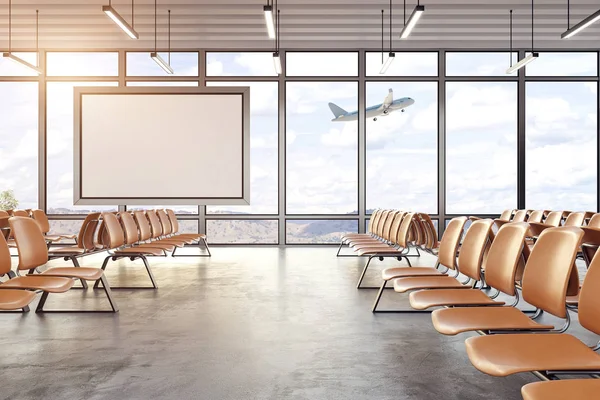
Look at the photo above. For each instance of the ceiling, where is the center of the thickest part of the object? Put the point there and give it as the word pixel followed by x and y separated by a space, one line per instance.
pixel 305 24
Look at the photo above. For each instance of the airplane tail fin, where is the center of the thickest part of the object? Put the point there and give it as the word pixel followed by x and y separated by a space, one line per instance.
pixel 337 110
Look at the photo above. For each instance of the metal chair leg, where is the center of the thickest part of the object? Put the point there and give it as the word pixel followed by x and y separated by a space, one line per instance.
pixel 104 264
pixel 76 264
pixel 40 306
pixel 362 276
pixel 106 286
pixel 145 260
pixel 206 246
pixel 379 294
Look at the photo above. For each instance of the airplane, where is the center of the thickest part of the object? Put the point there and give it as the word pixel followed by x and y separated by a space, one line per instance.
pixel 384 109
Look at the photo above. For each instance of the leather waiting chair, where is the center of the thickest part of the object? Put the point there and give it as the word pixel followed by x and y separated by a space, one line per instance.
pixel 545 281
pixel 446 258
pixel 33 254
pixel 547 355
pixel 145 231
pixel 576 389
pixel 17 299
pixel 381 226
pixel 158 232
pixel 370 233
pixel 42 219
pixel 197 237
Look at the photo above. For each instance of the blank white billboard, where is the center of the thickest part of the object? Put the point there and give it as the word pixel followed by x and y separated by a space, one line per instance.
pixel 152 145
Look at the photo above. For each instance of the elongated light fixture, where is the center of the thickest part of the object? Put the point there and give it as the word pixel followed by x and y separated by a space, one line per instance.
pixel 276 56
pixel 120 21
pixel 9 55
pixel 391 54
pixel 570 32
pixel 529 58
pixel 165 65
pixel 268 10
pixel 412 21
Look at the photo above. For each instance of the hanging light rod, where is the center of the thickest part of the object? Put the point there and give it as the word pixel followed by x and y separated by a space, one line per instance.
pixel 120 21
pixel 533 55
pixel 166 66
pixel 9 54
pixel 569 33
pixel 276 56
pixel 412 21
pixel 391 54
pixel 268 10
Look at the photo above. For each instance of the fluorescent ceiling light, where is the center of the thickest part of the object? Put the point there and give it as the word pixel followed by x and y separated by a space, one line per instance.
pixel 412 21
pixel 19 60
pixel 112 14
pixel 388 62
pixel 277 62
pixel 269 21
pixel 161 63
pixel 581 26
pixel 531 57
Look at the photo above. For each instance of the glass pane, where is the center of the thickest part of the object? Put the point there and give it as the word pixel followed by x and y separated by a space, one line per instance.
pixel 171 83
pixel 59 113
pixel 9 67
pixel 263 150
pixel 561 145
pixel 322 155
pixel 479 64
pixel 177 209
pixel 183 64
pixel 188 225
pixel 404 64
pixel 65 226
pixel 321 64
pixel 402 146
pixel 318 231
pixel 82 64
pixel 19 144
pixel 481 147
pixel 564 64
pixel 240 64
pixel 242 232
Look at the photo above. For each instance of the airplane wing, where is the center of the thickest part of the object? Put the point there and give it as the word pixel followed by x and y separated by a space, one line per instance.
pixel 389 99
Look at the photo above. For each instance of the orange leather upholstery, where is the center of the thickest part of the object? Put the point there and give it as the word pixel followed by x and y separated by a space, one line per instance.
pixel 14 299
pixel 579 389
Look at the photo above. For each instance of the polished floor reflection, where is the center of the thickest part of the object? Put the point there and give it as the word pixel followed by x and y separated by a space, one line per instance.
pixel 250 323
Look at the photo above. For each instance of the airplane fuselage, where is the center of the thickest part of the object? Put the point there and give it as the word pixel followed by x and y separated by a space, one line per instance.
pixel 378 110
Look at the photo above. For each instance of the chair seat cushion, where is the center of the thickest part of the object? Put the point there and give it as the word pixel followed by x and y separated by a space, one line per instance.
pixel 52 238
pixel 191 235
pixel 46 283
pixel 503 355
pixel 383 250
pixel 357 244
pixel 157 245
pixel 424 299
pixel 580 389
pixel 175 242
pixel 453 321
pixel 391 273
pixel 402 285
pixel 13 299
pixel 184 239
pixel 152 251
pixel 88 274
pixel 66 250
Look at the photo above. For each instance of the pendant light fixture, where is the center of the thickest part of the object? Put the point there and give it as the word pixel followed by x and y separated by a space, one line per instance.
pixel 570 32
pixel 120 21
pixel 391 54
pixel 165 65
pixel 532 56
pixel 510 64
pixel 10 55
pixel 276 56
pixel 412 21
pixel 268 11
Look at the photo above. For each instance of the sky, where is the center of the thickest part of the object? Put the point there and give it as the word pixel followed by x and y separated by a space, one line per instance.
pixel 322 156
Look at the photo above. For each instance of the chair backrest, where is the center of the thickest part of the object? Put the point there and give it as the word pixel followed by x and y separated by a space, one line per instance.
pixel 392 232
pixel 112 235
pixel 33 251
pixel 20 213
pixel 143 225
pixel 157 228
pixel 382 222
pixel 548 269
pixel 450 241
pixel 473 247
pixel 506 214
pixel 403 232
pixel 590 244
pixel 87 232
pixel 594 222
pixel 536 216
pixel 504 256
pixel 575 219
pixel 432 237
pixel 377 220
pixel 173 220
pixel 589 298
pixel 129 227
pixel 553 218
pixel 5 258
pixel 4 214
pixel 164 220
pixel 387 229
pixel 520 216
pixel 42 220
pixel 372 220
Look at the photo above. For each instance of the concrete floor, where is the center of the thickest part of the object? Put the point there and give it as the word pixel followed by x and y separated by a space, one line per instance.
pixel 250 323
